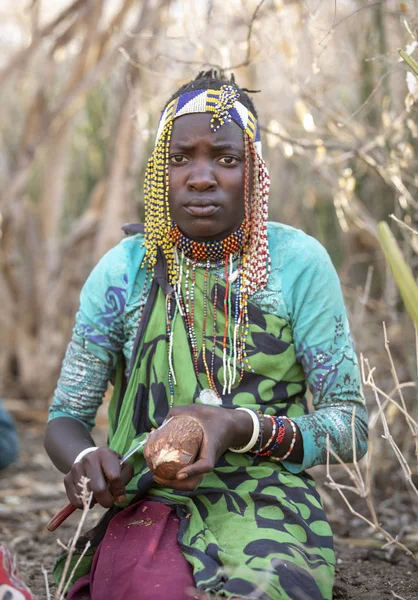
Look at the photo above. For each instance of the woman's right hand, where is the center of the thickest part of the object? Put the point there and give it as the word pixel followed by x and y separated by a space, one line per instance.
pixel 107 478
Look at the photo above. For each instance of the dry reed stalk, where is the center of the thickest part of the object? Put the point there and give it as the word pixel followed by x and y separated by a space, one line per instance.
pixel 47 590
pixel 413 427
pixel 86 498
pixel 362 484
pixel 369 381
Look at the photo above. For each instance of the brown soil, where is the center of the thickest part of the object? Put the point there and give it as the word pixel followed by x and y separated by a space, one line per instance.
pixel 32 491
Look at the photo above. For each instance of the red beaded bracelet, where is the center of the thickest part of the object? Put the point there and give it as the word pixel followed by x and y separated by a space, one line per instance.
pixel 292 443
pixel 264 451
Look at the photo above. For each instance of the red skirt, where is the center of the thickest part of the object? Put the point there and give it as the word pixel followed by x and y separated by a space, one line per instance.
pixel 139 559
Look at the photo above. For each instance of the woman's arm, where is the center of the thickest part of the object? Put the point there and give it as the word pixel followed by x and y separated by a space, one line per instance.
pixel 324 347
pixel 87 368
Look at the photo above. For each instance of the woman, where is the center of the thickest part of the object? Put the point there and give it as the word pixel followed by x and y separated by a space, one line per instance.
pixel 217 314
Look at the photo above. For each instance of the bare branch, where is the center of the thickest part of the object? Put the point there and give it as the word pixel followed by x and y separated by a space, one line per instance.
pixel 21 56
pixel 403 224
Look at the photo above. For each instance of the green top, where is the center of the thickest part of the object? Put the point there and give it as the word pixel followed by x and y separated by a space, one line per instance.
pixel 303 290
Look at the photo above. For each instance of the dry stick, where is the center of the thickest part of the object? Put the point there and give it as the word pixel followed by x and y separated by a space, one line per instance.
pixel 247 60
pixel 366 293
pixel 370 96
pixel 45 574
pixel 396 595
pixel 330 30
pixel 86 498
pixel 245 63
pixel 369 381
pixel 358 10
pixel 356 476
pixel 390 400
pixel 250 30
pixel 373 524
pixel 391 180
pixel 396 379
pixel 403 224
pixel 75 569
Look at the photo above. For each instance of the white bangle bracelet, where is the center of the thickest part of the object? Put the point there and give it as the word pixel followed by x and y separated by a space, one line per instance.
pixel 254 437
pixel 83 453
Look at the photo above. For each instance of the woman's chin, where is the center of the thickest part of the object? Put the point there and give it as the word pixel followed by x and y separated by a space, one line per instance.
pixel 205 230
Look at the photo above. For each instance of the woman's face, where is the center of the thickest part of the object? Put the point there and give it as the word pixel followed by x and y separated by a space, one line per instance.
pixel 206 171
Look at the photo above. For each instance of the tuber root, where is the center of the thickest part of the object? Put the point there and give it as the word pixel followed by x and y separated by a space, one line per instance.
pixel 172 448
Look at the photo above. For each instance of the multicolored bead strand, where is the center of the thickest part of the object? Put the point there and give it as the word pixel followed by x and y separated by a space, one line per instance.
pixel 281 432
pixel 171 374
pixel 231 325
pixel 215 331
pixel 263 451
pixel 292 443
pixel 205 303
pixel 226 326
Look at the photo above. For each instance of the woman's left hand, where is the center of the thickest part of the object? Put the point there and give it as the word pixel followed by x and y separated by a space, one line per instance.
pixel 222 428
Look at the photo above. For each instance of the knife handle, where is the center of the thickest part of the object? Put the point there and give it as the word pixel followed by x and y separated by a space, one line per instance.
pixel 60 517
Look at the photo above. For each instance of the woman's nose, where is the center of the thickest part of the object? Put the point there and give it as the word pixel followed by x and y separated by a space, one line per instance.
pixel 202 178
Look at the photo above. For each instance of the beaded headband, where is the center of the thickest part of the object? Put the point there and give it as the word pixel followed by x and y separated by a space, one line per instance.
pixel 224 105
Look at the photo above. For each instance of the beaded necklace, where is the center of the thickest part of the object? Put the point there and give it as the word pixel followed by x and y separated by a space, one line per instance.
pixel 185 304
pixel 212 251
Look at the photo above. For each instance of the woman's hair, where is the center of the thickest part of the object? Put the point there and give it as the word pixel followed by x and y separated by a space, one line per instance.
pixel 209 80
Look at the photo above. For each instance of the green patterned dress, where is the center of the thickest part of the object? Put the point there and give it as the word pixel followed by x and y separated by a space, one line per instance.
pixel 254 528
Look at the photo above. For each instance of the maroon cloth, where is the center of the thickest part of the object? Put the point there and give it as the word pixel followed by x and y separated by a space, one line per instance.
pixel 139 559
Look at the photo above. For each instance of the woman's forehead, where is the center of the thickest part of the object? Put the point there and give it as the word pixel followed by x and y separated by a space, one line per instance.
pixel 189 129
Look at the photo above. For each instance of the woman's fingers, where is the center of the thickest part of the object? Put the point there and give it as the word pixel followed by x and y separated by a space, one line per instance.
pixel 200 467
pixel 98 486
pixel 72 489
pixel 187 485
pixel 107 479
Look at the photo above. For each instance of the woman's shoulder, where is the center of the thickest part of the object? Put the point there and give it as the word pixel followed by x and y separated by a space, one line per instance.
pixel 133 246
pixel 125 256
pixel 291 245
pixel 117 271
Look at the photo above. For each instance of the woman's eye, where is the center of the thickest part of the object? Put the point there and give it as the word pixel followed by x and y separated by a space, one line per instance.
pixel 178 159
pixel 228 160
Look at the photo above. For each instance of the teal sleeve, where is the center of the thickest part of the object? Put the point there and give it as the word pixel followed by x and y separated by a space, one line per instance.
pixel 96 342
pixel 324 347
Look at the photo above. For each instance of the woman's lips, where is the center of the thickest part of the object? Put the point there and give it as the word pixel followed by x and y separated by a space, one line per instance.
pixel 197 210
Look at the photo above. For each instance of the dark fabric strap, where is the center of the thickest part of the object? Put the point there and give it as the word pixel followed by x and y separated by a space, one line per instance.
pixel 133 228
pixel 159 280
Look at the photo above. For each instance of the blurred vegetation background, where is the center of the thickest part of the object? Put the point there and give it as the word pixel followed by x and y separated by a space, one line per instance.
pixel 82 84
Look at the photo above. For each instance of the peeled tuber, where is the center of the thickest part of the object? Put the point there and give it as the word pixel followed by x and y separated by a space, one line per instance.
pixel 173 447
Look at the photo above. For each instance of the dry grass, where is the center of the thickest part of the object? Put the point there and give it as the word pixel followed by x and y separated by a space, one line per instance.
pixel 361 475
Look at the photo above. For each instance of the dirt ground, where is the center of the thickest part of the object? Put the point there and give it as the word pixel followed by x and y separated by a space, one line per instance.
pixel 32 491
